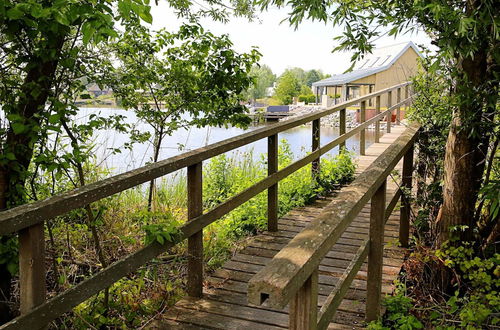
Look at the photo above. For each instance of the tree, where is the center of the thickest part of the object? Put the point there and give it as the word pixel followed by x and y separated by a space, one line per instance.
pixel 313 76
pixel 46 48
pixel 466 34
pixel 263 79
pixel 166 80
pixel 288 87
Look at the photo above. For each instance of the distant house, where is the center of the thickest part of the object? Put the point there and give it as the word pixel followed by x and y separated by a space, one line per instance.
pixel 385 67
pixel 96 91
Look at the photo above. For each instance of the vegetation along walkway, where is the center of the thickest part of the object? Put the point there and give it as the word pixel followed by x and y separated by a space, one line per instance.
pixel 225 305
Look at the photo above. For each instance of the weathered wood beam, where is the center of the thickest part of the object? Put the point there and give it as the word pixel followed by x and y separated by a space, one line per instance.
pixel 24 216
pixel 289 269
pixel 375 253
pixel 195 241
pixel 404 220
pixel 362 134
pixel 272 191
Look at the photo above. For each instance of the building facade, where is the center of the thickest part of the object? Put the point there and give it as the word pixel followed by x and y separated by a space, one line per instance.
pixel 385 67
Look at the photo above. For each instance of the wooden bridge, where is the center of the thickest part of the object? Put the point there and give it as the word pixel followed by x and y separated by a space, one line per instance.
pixel 307 271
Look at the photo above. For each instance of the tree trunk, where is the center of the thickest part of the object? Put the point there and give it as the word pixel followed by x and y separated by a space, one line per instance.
pixel 466 149
pixel 13 174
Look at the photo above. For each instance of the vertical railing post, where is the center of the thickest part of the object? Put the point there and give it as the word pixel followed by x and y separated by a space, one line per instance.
pixel 304 306
pixel 375 253
pixel 316 132
pixel 407 94
pixel 398 110
pixel 195 242
pixel 362 134
pixel 272 192
pixel 32 267
pixel 342 126
pixel 377 122
pixel 404 220
pixel 389 115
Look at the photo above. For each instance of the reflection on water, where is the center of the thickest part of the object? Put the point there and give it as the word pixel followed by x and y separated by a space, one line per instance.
pixel 183 140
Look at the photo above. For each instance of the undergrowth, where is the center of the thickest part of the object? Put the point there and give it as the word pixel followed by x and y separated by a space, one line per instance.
pixel 125 225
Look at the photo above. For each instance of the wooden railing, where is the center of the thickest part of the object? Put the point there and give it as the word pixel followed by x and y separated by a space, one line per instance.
pixel 292 275
pixel 28 220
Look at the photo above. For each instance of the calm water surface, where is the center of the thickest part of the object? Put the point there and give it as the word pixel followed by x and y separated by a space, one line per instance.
pixel 184 140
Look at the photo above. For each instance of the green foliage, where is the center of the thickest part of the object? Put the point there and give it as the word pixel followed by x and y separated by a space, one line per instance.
pixel 128 304
pixel 8 254
pixel 226 177
pixel 397 315
pixel 263 78
pixel 171 70
pixel 313 76
pixel 126 226
pixel 309 98
pixel 161 227
pixel 288 87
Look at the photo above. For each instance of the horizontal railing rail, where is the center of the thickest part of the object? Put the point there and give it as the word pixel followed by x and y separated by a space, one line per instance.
pixel 27 215
pixel 292 273
pixel 28 219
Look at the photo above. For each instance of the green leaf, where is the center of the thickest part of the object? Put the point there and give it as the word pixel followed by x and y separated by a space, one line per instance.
pixel 87 32
pixel 10 156
pixel 18 128
pixel 160 239
pixel 15 13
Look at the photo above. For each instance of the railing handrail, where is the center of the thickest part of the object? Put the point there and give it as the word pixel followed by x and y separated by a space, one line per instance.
pixel 27 215
pixel 32 215
pixel 287 272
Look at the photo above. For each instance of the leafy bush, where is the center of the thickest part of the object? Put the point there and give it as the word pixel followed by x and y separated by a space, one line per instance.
pixel 308 98
pixel 226 177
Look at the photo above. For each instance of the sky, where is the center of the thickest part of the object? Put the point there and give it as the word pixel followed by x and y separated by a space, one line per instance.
pixel 308 47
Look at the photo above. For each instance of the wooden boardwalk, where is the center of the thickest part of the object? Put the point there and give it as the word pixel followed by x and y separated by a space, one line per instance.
pixel 224 305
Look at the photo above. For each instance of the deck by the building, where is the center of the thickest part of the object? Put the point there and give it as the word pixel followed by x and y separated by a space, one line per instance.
pixel 224 304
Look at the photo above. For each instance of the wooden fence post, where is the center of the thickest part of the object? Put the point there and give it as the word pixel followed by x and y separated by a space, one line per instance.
pixel 398 110
pixel 362 134
pixel 375 254
pixel 407 95
pixel 195 242
pixel 304 305
pixel 377 123
pixel 272 192
pixel 342 126
pixel 389 115
pixel 404 220
pixel 316 131
pixel 32 267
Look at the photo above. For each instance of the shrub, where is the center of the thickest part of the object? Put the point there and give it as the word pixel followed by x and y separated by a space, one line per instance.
pixel 309 98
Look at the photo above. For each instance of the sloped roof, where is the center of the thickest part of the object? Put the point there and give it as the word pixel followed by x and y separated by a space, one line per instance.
pixel 379 60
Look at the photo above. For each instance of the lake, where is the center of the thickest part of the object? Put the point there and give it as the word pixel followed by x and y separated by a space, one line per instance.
pixel 183 140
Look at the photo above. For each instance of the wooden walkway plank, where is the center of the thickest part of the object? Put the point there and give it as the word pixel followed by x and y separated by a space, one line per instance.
pixel 224 304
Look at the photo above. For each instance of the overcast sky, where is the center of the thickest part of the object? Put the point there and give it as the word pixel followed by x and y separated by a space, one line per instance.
pixel 309 47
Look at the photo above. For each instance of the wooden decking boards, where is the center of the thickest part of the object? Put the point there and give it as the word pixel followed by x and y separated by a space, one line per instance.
pixel 224 304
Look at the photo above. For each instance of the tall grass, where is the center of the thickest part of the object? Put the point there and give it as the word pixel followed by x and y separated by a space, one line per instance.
pixel 125 224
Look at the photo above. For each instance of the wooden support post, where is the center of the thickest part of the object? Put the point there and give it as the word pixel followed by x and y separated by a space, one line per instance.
pixel 398 110
pixel 32 267
pixel 195 242
pixel 404 220
pixel 389 115
pixel 362 134
pixel 304 306
pixel 377 123
pixel 342 126
pixel 272 192
pixel 407 94
pixel 316 131
pixel 375 254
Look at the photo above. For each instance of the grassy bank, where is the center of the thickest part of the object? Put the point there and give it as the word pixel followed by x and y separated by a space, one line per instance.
pixel 124 225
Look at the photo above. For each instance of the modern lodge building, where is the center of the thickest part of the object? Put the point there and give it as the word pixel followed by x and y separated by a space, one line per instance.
pixel 386 66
